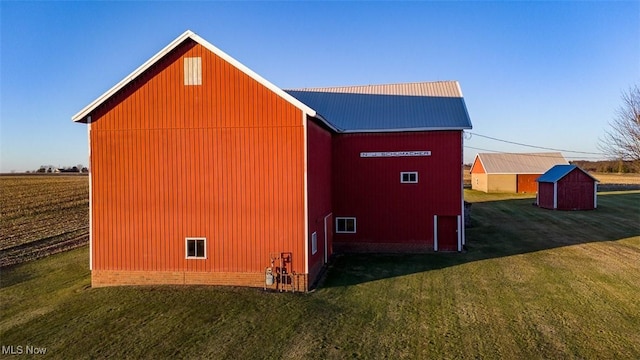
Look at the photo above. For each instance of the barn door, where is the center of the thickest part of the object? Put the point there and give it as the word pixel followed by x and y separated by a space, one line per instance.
pixel 447 233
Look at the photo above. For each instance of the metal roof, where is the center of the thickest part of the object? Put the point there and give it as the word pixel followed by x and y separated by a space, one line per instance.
pixel 392 107
pixel 558 172
pixel 82 115
pixel 520 163
pixel 432 88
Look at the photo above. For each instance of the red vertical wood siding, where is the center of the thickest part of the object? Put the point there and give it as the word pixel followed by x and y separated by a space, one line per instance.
pixel 222 160
pixel 526 183
pixel 575 191
pixel 545 195
pixel 319 188
pixel 386 210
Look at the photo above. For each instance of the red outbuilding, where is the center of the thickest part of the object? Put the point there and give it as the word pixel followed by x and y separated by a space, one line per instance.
pixel 567 187
pixel 203 172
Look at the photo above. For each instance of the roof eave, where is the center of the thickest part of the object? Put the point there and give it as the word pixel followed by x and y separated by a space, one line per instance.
pixel 83 115
pixel 326 122
pixel 406 129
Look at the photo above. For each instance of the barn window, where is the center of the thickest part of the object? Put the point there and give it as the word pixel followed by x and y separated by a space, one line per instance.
pixel 314 243
pixel 196 248
pixel 193 71
pixel 410 177
pixel 345 225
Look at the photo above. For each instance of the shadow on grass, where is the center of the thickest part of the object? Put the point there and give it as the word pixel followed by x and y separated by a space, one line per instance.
pixel 502 228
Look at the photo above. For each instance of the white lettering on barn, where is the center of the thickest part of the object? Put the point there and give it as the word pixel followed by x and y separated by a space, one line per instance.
pixel 395 153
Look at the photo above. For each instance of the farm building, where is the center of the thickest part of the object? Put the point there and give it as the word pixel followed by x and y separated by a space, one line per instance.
pixel 567 187
pixel 511 172
pixel 203 172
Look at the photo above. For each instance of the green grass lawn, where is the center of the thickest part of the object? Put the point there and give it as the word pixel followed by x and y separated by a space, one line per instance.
pixel 533 283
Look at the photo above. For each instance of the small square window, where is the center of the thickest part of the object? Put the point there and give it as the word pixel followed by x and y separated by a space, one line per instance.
pixel 314 243
pixel 410 177
pixel 196 248
pixel 346 225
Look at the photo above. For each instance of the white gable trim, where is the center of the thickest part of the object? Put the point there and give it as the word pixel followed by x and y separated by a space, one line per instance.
pixel 82 114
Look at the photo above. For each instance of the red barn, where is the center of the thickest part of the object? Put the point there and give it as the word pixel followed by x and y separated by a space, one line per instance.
pixel 203 172
pixel 567 187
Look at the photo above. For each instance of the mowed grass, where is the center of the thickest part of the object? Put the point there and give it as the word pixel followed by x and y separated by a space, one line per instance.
pixel 533 284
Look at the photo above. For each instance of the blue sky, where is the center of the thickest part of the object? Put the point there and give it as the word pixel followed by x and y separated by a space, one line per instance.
pixel 543 73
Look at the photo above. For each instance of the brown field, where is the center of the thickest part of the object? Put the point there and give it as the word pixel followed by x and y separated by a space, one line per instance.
pixel 611 178
pixel 42 215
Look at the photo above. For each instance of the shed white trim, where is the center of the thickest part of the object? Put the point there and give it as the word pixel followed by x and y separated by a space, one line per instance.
pixel 459 233
pixel 82 114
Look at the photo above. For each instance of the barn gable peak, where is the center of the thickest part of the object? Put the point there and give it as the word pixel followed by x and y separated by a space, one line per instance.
pixel 84 115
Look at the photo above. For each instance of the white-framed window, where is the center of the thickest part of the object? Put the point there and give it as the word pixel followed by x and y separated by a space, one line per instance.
pixel 195 248
pixel 314 243
pixel 409 177
pixel 346 225
pixel 193 71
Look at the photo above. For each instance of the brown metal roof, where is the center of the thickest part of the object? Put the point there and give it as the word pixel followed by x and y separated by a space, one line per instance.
pixel 520 163
pixel 433 89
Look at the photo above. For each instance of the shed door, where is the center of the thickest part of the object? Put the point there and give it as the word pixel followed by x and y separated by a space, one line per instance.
pixel 447 233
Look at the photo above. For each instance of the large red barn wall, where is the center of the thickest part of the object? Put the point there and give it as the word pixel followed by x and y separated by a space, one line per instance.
pixel 166 164
pixel 576 191
pixel 319 192
pixel 387 211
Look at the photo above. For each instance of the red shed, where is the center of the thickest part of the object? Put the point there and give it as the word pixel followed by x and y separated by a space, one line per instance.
pixel 567 187
pixel 203 172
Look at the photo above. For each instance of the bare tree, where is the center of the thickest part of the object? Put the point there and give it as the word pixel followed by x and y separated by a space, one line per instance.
pixel 622 140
